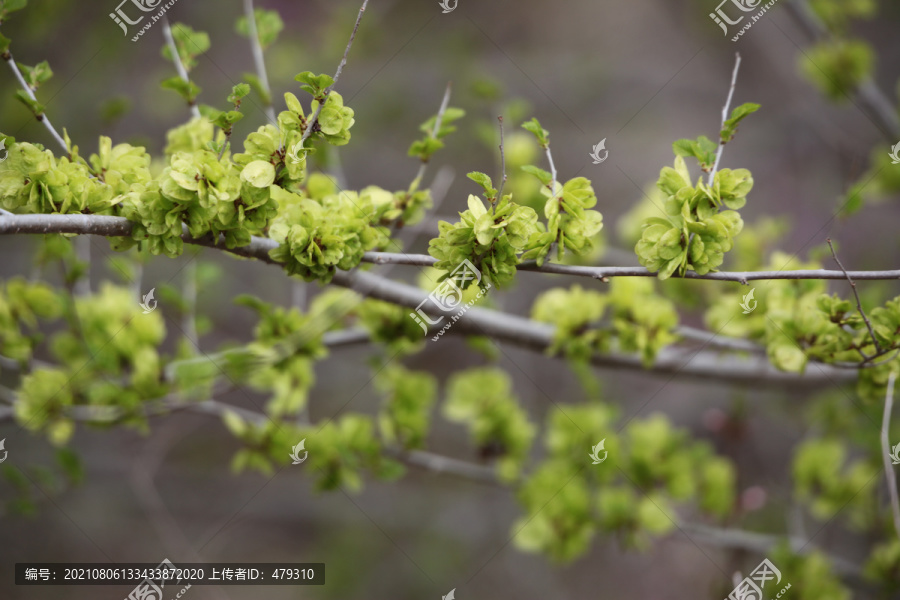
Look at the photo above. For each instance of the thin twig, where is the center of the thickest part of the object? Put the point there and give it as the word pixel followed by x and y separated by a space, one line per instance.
pixel 189 287
pixel 602 273
pixel 858 303
pixel 552 171
pixel 502 160
pixel 82 247
pixel 337 75
pixel 734 74
pixel 434 131
pixel 889 474
pixel 8 57
pixel 259 61
pixel 176 58
pixel 82 286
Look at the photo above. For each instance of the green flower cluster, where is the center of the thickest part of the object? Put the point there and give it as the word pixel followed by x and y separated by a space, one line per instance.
pixel 654 458
pixel 570 222
pixel 694 233
pixel 337 452
pixel 390 325
pixel 294 342
pixel 483 399
pixel 490 238
pixel 814 576
pixel 21 305
pixel 33 180
pixel 110 362
pixel 797 321
pixel 827 485
pixel 405 416
pixel 639 320
pixel 316 236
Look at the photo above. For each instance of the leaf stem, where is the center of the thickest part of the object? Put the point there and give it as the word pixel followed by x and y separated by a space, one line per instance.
pixel 179 66
pixel 434 131
pixel 258 60
pixel 8 57
pixel 889 474
pixel 502 160
pixel 721 148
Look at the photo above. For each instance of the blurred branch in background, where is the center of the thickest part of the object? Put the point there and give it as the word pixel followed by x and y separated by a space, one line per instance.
pixel 871 100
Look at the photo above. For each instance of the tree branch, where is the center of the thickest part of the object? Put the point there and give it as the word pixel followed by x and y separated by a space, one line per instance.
pixel 176 58
pixel 603 273
pixel 8 57
pixel 479 321
pixel 337 75
pixel 889 474
pixel 858 303
pixel 502 160
pixel 258 60
pixel 552 171
pixel 109 226
pixel 721 148
pixel 437 127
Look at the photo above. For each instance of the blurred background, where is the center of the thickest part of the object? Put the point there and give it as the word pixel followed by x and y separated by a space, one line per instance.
pixel 639 75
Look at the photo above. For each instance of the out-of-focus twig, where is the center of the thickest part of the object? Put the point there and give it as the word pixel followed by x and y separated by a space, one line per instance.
pixel 889 474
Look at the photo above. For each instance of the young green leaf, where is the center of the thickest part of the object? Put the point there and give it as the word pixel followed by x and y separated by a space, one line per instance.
pixel 729 127
pixel 315 85
pixel 542 135
pixel 485 182
pixel 189 43
pixel 268 26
